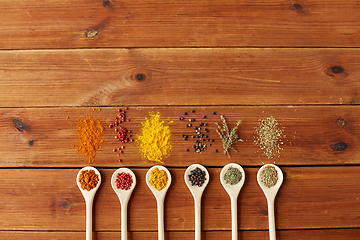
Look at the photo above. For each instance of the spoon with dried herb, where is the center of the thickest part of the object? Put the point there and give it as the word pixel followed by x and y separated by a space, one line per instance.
pixel 232 178
pixel 228 137
pixel 270 178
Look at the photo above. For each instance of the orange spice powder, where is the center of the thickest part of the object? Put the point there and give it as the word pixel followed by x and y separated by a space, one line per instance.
pixel 89 132
pixel 88 179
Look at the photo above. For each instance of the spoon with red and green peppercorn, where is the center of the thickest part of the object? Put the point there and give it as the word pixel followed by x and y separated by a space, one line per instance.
pixel 123 181
pixel 232 178
pixel 270 178
pixel 196 178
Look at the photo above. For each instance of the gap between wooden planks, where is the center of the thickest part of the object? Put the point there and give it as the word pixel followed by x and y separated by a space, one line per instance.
pixel 310 198
pixel 315 135
pixel 334 234
pixel 179 76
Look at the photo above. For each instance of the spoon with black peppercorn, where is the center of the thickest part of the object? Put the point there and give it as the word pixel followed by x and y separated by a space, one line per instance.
pixel 270 178
pixel 196 178
pixel 89 199
pixel 160 196
pixel 123 190
pixel 233 184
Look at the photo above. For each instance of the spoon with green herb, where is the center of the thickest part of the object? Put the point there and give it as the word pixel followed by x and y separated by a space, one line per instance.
pixel 232 178
pixel 270 178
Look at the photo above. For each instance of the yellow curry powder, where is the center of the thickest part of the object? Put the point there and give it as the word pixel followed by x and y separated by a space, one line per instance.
pixel 158 179
pixel 88 179
pixel 89 132
pixel 154 142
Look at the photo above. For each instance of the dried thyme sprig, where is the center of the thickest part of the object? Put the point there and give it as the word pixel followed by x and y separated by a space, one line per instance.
pixel 228 138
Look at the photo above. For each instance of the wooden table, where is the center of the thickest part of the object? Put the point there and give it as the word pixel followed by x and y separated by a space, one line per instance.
pixel 247 60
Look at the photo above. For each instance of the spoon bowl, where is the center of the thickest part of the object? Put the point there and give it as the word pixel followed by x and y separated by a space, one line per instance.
pixel 160 196
pixel 197 192
pixel 124 196
pixel 89 199
pixel 270 194
pixel 233 191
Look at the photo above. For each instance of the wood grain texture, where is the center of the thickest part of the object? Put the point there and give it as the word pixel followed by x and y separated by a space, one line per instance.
pixel 111 77
pixel 114 23
pixel 336 234
pixel 315 135
pixel 49 199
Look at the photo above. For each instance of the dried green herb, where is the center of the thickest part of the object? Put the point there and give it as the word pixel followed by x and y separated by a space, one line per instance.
pixel 232 176
pixel 228 137
pixel 269 137
pixel 269 176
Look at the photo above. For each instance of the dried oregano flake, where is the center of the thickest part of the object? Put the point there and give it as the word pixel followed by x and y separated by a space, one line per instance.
pixel 269 176
pixel 268 136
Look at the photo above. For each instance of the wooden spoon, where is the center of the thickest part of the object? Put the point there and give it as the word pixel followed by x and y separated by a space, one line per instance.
pixel 89 199
pixel 270 194
pixel 197 192
pixel 160 196
pixel 233 191
pixel 124 196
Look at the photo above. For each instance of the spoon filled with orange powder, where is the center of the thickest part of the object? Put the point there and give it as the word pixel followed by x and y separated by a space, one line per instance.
pixel 88 180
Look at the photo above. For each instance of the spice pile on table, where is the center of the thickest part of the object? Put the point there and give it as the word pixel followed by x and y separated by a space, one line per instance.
pixel 89 131
pixel 269 137
pixel 200 135
pixel 155 140
pixel 121 133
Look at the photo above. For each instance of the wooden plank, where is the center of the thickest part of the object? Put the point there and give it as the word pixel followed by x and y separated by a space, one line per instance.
pixel 48 199
pixel 111 23
pixel 334 234
pixel 315 135
pixel 111 77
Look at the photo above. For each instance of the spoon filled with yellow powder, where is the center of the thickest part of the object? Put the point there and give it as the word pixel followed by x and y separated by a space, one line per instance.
pixel 158 179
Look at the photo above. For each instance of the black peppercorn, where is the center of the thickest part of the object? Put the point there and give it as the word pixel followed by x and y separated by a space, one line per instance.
pixel 197 177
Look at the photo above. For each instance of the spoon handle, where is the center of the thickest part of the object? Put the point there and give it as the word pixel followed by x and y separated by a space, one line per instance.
pixel 271 216
pixel 123 221
pixel 160 207
pixel 89 205
pixel 234 223
pixel 197 219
